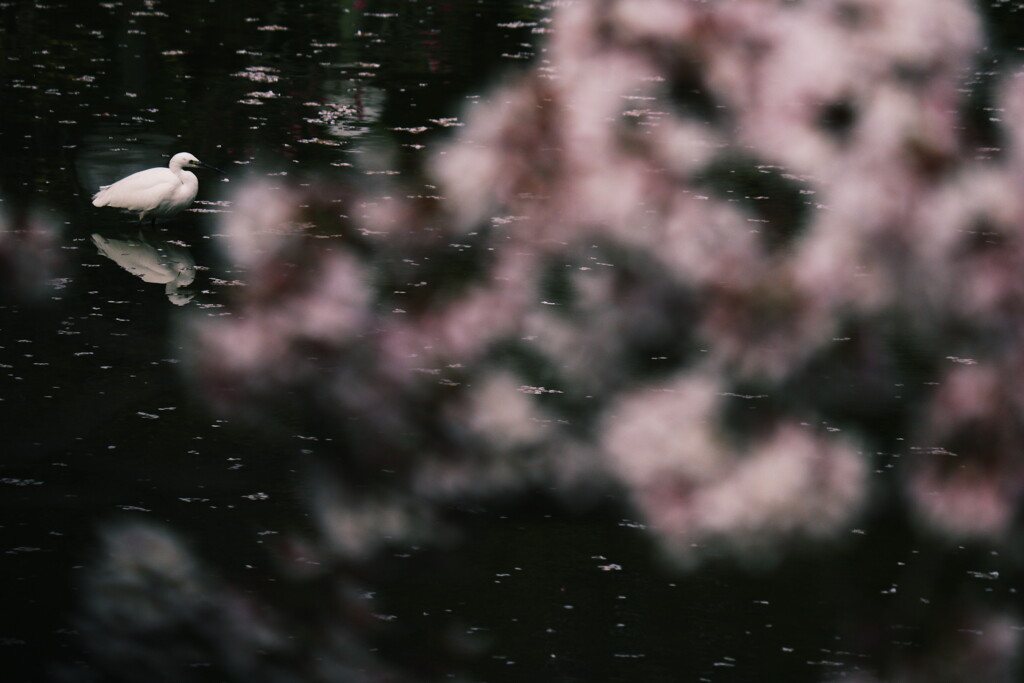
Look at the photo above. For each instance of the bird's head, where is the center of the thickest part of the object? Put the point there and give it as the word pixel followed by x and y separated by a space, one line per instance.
pixel 186 160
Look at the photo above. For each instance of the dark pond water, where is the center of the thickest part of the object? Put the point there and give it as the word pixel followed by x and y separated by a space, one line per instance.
pixel 102 427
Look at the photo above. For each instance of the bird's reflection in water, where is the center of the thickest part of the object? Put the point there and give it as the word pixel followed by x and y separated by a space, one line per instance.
pixel 153 260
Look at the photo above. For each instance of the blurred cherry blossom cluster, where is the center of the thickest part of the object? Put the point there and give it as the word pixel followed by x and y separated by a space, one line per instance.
pixel 683 201
pixel 716 256
pixel 30 262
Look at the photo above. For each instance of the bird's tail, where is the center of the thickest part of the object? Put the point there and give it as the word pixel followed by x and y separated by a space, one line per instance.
pixel 99 199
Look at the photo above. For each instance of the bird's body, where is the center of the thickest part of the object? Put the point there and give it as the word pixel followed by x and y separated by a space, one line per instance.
pixel 155 192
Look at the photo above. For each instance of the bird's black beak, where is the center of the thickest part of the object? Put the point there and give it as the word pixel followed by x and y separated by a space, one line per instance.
pixel 212 168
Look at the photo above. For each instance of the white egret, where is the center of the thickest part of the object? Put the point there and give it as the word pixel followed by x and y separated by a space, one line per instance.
pixel 156 192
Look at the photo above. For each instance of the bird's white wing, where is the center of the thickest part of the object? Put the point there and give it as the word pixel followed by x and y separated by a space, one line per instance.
pixel 142 191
